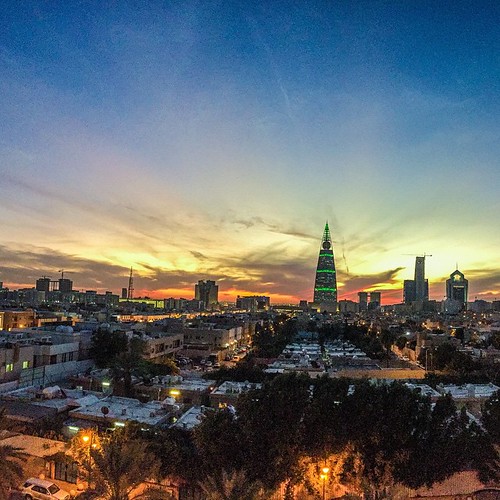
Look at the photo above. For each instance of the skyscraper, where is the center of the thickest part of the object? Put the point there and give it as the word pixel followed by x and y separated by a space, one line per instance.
pixel 207 292
pixel 457 288
pixel 421 284
pixel 417 288
pixel 325 285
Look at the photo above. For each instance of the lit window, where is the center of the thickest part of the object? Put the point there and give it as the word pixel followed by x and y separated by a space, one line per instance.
pixel 26 364
pixel 9 367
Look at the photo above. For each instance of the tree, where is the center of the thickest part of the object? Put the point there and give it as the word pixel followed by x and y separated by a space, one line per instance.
pixel 125 364
pixel 231 486
pixel 177 452
pixel 491 416
pixel 495 340
pixel 106 346
pixel 80 450
pixel 219 441
pixel 11 470
pixel 323 415
pixel 401 341
pixel 122 464
pixel 272 424
pixel 383 424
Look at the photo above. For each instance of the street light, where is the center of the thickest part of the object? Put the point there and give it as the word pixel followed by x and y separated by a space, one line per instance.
pixel 324 476
pixel 87 439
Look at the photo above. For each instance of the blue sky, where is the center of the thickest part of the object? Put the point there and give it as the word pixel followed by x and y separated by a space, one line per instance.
pixel 199 140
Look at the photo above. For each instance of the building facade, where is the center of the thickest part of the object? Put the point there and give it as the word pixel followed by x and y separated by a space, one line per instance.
pixel 207 292
pixel 325 285
pixel 457 288
pixel 417 289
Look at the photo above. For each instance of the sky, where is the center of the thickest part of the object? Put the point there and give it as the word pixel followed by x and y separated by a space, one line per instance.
pixel 213 139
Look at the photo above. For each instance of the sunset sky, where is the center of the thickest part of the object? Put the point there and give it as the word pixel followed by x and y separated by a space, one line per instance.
pixel 212 140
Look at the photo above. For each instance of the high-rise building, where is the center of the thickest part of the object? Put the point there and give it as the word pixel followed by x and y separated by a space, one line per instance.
pixel 417 288
pixel 43 284
pixel 363 301
pixel 457 287
pixel 375 300
pixel 409 291
pixel 65 285
pixel 124 293
pixel 421 284
pixel 207 292
pixel 325 285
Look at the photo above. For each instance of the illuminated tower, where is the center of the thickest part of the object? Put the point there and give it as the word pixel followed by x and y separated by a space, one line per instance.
pixel 457 288
pixel 325 286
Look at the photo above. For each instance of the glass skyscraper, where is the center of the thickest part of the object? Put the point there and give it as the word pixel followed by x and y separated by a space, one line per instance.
pixel 325 286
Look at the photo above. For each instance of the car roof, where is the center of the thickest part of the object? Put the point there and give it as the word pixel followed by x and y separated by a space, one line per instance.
pixel 39 482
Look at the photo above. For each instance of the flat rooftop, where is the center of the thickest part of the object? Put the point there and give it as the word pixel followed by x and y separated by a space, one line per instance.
pixel 235 387
pixel 123 410
pixel 468 390
pixel 190 419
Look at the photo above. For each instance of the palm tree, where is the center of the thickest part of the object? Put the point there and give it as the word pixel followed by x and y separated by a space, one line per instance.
pixel 231 486
pixel 11 470
pixel 122 464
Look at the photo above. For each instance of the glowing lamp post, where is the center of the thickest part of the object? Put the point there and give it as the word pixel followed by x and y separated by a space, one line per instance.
pixel 88 441
pixel 324 477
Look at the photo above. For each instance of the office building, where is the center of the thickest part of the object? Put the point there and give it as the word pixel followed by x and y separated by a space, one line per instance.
pixel 421 284
pixel 207 292
pixel 417 289
pixel 253 303
pixel 375 300
pixel 43 284
pixel 65 285
pixel 362 301
pixel 325 285
pixel 457 288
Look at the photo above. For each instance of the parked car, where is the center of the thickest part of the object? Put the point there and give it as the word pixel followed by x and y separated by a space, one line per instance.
pixel 40 489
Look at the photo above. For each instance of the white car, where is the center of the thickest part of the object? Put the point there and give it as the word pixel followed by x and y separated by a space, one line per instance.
pixel 40 489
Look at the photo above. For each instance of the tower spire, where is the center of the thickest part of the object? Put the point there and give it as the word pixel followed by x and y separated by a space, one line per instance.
pixel 326 234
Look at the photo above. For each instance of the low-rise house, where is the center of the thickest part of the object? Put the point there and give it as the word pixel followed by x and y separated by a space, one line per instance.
pixel 228 392
pixel 115 411
pixel 44 458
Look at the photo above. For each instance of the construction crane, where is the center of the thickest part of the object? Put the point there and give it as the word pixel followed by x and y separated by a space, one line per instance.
pixel 418 255
pixel 62 271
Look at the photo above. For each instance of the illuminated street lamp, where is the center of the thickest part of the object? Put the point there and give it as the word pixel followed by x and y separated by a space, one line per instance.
pixel 87 439
pixel 324 476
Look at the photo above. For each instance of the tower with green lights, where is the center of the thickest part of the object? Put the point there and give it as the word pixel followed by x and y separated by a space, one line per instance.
pixel 325 286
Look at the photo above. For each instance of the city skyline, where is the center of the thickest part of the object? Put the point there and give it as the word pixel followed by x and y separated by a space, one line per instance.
pixel 200 141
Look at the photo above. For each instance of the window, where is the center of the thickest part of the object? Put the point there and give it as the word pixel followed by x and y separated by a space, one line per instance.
pixel 70 356
pixel 26 364
pixel 9 367
pixel 63 357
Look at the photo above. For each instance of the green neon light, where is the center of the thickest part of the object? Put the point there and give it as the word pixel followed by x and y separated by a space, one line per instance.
pixel 325 271
pixel 325 289
pixel 326 254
